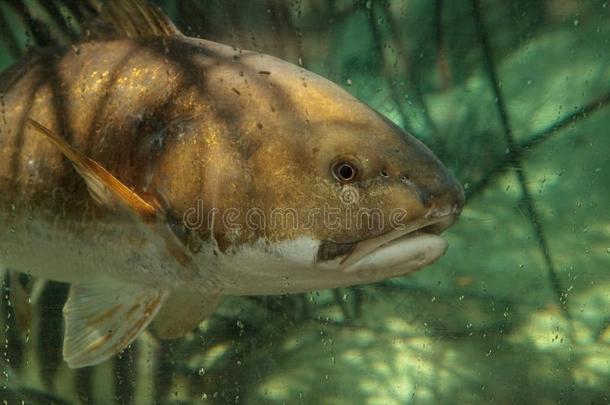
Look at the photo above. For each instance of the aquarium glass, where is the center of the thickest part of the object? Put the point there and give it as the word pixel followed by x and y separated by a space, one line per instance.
pixel 513 97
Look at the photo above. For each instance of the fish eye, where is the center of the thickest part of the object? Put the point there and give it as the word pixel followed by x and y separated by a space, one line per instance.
pixel 344 171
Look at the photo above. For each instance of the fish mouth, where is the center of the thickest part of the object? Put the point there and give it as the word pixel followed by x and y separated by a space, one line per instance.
pixel 411 246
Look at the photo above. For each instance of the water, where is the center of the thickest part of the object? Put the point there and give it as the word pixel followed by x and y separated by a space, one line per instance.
pixel 513 98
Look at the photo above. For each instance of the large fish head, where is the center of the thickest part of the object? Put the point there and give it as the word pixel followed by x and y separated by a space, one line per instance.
pixel 386 195
pixel 319 189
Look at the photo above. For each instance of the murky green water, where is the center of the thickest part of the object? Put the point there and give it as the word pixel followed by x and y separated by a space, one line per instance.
pixel 513 97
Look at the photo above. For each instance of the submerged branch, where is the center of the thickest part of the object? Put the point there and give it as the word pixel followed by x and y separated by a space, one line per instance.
pixel 56 16
pixel 8 37
pixel 40 32
pixel 394 94
pixel 517 154
pixel 411 77
pixel 527 198
pixel 580 113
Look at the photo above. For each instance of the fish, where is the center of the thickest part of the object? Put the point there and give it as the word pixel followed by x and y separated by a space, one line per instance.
pixel 156 173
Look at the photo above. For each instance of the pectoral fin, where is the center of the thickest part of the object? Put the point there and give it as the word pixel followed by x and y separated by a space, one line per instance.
pixel 106 190
pixel 110 193
pixel 102 318
pixel 184 311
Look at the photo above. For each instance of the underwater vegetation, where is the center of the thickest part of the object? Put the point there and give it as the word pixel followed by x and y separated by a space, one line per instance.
pixel 513 98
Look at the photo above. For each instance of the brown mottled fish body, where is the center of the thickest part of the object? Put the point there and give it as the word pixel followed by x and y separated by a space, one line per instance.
pixel 121 160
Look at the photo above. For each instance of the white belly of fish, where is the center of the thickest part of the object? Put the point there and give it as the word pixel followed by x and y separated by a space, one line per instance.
pixel 291 267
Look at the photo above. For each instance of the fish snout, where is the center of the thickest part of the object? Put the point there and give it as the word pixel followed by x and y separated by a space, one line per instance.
pixel 449 196
pixel 445 198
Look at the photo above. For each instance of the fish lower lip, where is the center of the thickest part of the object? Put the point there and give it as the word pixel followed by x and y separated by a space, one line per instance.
pixel 401 256
pixel 433 225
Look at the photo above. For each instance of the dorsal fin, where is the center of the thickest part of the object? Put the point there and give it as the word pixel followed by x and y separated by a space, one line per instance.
pixel 137 18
